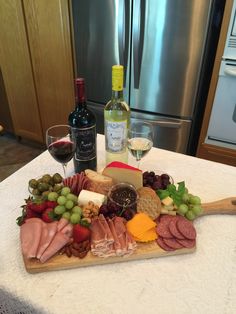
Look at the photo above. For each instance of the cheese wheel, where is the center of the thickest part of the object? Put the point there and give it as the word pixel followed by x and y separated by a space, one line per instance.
pixel 121 172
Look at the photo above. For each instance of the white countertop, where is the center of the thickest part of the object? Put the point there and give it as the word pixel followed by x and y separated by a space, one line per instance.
pixel 202 282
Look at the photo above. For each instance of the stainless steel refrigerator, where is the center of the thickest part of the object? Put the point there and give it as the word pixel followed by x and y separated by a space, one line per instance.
pixel 167 48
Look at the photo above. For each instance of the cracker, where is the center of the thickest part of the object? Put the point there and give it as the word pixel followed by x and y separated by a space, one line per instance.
pixel 148 202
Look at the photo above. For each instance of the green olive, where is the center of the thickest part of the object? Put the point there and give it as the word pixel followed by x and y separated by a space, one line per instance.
pixel 46 178
pixel 36 192
pixel 33 183
pixel 57 187
pixel 43 186
pixel 57 178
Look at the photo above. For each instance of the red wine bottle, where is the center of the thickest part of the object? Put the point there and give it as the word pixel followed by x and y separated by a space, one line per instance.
pixel 83 125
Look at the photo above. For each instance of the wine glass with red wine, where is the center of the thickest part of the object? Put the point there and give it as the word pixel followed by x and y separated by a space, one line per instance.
pixel 61 144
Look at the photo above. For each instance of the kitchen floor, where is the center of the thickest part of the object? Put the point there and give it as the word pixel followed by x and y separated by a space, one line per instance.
pixel 15 153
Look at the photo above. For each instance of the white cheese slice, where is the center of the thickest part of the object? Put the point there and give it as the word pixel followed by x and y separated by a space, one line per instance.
pixel 86 196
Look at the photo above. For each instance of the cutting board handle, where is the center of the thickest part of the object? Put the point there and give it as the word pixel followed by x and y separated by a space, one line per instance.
pixel 224 206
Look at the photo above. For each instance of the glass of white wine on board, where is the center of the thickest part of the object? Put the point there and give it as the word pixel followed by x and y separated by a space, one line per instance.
pixel 140 139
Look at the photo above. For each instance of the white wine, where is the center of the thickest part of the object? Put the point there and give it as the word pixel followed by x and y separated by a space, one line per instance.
pixel 139 146
pixel 117 119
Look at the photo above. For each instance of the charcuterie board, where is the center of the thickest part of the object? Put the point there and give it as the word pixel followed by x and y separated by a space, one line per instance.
pixel 144 250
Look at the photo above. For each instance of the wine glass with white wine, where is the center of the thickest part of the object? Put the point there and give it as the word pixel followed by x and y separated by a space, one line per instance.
pixel 140 139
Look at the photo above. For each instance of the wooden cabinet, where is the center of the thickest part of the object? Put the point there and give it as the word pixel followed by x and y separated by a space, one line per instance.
pixel 36 64
pixel 17 73
pixel 207 151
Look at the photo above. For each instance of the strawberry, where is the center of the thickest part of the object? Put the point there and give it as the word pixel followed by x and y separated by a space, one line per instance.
pixel 51 204
pixel 37 206
pixel 81 233
pixel 48 215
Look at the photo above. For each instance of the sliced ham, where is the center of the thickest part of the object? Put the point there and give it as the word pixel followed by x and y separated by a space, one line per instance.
pixel 30 234
pixel 43 240
pixel 68 230
pixel 62 223
pixel 48 232
pixel 58 242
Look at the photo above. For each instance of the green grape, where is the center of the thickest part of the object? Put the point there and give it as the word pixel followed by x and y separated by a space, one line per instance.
pixel 190 215
pixel 52 196
pixel 196 209
pixel 75 218
pixel 195 200
pixel 59 209
pixel 61 200
pixel 183 209
pixel 69 204
pixel 65 190
pixel 72 197
pixel 77 209
pixel 185 197
pixel 66 215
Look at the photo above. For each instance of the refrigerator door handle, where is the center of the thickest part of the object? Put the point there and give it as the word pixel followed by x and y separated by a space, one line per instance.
pixel 138 39
pixel 123 35
pixel 166 123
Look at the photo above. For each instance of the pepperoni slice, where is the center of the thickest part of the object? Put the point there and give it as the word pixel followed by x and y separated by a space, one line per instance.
pixel 186 228
pixel 187 243
pixel 163 230
pixel 173 228
pixel 173 243
pixel 161 243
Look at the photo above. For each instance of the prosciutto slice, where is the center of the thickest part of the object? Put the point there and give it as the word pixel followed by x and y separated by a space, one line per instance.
pixel 110 238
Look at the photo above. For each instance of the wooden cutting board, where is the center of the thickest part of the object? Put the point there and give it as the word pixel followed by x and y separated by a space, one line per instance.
pixel 144 250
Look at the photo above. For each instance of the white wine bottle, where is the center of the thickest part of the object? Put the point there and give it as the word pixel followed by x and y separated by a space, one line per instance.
pixel 117 120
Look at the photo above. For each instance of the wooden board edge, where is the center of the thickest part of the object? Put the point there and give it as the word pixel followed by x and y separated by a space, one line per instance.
pixel 62 262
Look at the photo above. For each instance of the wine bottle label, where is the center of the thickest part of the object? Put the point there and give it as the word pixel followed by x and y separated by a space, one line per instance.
pixel 116 135
pixel 85 143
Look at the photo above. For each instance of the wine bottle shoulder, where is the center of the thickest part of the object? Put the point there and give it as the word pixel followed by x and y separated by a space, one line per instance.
pixel 82 117
pixel 117 105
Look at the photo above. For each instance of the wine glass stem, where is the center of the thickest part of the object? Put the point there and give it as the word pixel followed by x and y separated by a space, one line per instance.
pixel 64 169
pixel 138 163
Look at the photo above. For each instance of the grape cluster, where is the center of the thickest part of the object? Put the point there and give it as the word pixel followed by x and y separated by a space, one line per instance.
pixel 111 210
pixel 190 206
pixel 155 181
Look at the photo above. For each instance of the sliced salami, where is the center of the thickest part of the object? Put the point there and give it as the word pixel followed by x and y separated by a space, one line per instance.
pixel 187 243
pixel 173 243
pixel 162 244
pixel 165 219
pixel 173 228
pixel 186 228
pixel 163 230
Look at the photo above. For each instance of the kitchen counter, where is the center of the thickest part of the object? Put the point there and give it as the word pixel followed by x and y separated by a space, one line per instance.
pixel 201 282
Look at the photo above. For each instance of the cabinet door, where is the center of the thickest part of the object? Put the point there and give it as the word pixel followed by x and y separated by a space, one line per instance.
pixel 17 73
pixel 48 28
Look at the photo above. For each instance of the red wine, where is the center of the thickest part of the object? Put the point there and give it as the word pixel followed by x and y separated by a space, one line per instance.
pixel 83 127
pixel 62 151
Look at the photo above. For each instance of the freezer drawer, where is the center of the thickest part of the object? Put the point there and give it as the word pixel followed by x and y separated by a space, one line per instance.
pixel 170 134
